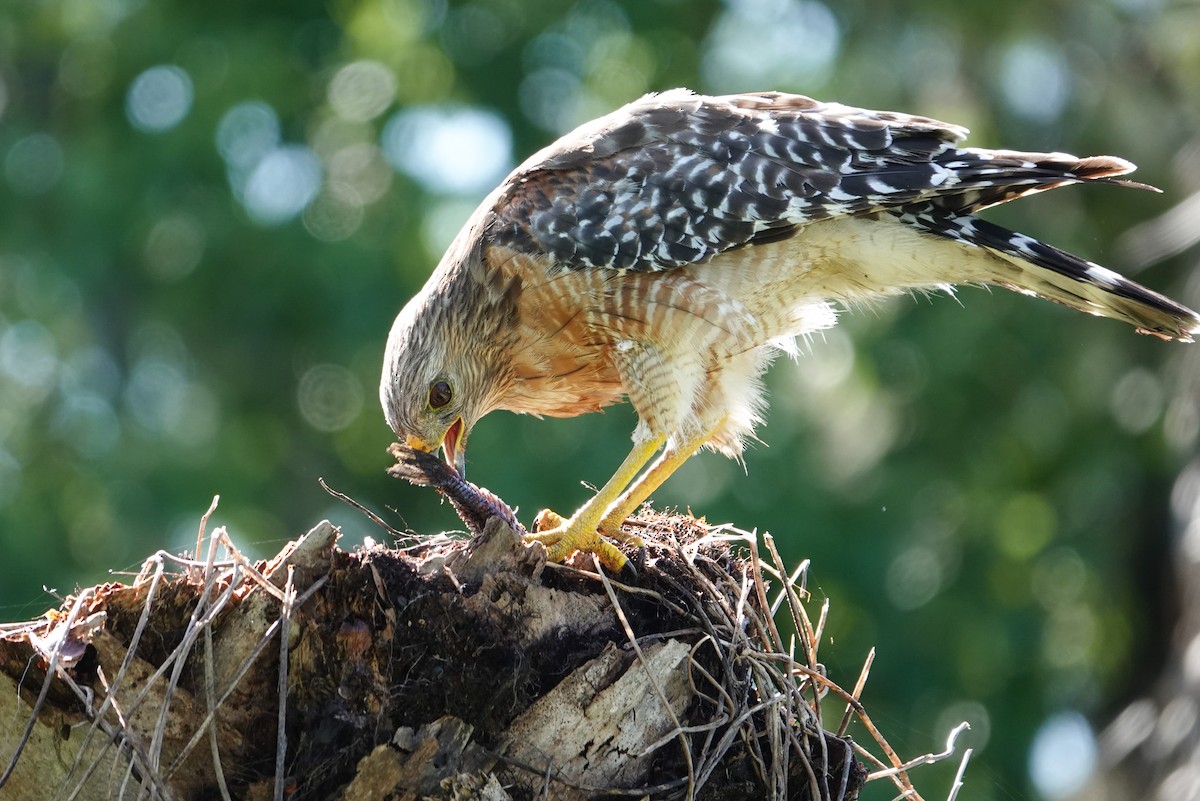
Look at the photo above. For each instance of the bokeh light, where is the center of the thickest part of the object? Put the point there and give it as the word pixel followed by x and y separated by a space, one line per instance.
pixel 247 132
pixel 450 149
pixel 174 246
pixel 442 222
pixel 85 417
pixel 1025 523
pixel 552 98
pixel 34 164
pixel 362 167
pixel 88 423
pixel 1069 637
pixel 335 214
pixel 1063 755
pixel 272 182
pixel 329 396
pixel 29 356
pixel 283 182
pixel 1060 577
pixel 161 394
pixel 159 98
pixel 914 577
pixel 83 19
pixel 770 44
pixel 472 33
pixel 583 65
pixel 156 394
pixel 1035 79
pixel 90 370
pixel 10 477
pixel 362 91
pixel 1137 400
pixel 1181 423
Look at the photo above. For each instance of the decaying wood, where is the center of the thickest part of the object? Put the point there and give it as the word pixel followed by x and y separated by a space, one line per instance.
pixel 451 669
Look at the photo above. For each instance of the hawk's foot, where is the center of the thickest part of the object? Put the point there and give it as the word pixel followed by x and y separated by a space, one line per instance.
pixel 563 536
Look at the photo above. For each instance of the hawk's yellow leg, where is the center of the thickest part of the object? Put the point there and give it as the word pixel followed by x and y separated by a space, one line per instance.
pixel 603 515
pixel 637 494
pixel 579 533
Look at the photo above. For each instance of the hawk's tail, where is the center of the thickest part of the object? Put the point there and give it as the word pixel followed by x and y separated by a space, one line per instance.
pixel 1047 272
pixel 991 177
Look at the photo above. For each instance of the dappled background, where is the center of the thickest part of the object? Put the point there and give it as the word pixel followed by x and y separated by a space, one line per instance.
pixel 210 213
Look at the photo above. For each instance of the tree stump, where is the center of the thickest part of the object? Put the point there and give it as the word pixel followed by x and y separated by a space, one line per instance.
pixel 448 669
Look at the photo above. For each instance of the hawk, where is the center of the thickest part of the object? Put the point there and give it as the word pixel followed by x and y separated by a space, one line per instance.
pixel 666 252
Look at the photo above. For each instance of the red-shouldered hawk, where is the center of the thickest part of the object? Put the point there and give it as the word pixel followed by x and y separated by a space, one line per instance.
pixel 666 252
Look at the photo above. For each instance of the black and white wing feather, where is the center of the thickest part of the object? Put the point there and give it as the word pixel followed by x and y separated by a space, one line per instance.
pixel 677 179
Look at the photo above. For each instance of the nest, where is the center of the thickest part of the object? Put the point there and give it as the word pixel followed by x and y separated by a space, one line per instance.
pixel 445 669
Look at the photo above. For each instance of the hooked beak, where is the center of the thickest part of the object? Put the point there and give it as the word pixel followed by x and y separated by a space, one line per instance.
pixel 453 447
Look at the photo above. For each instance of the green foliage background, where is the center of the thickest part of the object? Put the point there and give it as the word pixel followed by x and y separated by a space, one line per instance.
pixel 983 485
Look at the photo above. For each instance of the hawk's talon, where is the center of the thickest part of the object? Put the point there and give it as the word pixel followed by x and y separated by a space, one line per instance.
pixel 638 562
pixel 547 519
pixel 613 531
pixel 563 536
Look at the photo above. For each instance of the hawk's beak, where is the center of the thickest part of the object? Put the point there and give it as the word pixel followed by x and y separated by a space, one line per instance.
pixel 453 446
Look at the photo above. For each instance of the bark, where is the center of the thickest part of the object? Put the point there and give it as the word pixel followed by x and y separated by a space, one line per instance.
pixel 449 670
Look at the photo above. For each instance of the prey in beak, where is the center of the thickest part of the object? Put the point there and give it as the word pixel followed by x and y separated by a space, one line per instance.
pixel 452 445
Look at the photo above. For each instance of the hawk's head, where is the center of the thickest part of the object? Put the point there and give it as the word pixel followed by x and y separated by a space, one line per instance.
pixel 423 390
pixel 447 358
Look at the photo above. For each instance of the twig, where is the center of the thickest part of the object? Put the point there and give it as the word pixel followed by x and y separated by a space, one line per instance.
pixel 927 759
pixel 212 507
pixel 899 775
pixel 958 777
pixel 210 682
pixel 820 627
pixel 629 589
pixel 201 616
pixel 187 563
pixel 857 693
pixel 285 619
pixel 801 621
pixel 790 581
pixel 374 518
pixel 210 679
pixel 257 577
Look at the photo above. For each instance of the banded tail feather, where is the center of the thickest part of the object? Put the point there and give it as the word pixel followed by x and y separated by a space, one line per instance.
pixel 1051 273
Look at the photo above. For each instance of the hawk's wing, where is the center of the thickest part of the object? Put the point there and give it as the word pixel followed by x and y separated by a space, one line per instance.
pixel 676 178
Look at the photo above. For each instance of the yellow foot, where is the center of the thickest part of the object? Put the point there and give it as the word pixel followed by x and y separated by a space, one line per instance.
pixel 610 527
pixel 563 536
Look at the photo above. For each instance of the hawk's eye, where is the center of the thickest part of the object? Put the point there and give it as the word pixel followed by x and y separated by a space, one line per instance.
pixel 439 394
